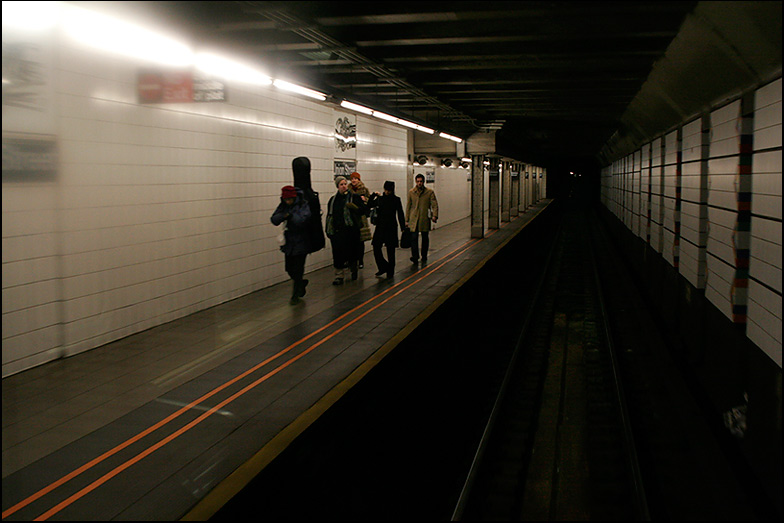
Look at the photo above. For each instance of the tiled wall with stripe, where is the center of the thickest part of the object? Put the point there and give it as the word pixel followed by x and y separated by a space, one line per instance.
pixel 715 196
pixel 764 291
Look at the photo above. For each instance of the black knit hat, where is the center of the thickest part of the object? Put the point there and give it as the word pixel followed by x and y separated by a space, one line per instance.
pixel 389 186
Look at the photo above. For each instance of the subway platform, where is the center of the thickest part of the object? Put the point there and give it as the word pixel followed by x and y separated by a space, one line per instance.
pixel 171 422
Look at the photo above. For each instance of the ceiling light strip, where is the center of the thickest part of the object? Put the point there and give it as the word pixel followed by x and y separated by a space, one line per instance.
pixel 389 118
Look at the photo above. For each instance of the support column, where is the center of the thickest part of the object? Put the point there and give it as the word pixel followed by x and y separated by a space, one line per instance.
pixel 506 190
pixel 514 175
pixel 523 170
pixel 477 196
pixel 494 188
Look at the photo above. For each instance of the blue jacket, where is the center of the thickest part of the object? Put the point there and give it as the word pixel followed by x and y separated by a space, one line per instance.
pixel 297 218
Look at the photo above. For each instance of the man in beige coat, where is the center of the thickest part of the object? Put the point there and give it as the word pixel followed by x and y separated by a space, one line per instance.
pixel 422 206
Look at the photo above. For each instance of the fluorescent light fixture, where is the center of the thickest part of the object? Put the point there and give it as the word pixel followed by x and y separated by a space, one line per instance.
pixel 293 88
pixel 385 116
pixel 356 107
pixel 123 38
pixel 465 160
pixel 406 123
pixel 450 137
pixel 230 70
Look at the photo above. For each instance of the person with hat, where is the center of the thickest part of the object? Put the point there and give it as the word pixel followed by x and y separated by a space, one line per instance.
pixel 344 211
pixel 357 187
pixel 295 211
pixel 389 218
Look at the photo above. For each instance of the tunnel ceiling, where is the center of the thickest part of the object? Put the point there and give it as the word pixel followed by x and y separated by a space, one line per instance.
pixel 555 77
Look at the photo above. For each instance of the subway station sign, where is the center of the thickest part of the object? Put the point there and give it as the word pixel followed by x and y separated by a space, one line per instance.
pixel 166 87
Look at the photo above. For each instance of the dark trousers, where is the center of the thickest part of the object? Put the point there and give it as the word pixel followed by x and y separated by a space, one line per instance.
pixel 415 244
pixel 383 265
pixel 295 266
pixel 344 249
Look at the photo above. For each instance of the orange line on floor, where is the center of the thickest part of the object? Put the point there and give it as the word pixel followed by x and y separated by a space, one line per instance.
pixel 46 490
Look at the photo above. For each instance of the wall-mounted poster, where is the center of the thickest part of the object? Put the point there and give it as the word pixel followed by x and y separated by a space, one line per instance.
pixel 430 177
pixel 28 91
pixel 344 168
pixel 346 135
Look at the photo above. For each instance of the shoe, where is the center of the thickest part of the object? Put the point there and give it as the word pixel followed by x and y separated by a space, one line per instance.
pixel 337 281
pixel 380 273
pixel 294 300
pixel 424 261
pixel 413 260
pixel 302 285
pixel 390 275
pixel 361 265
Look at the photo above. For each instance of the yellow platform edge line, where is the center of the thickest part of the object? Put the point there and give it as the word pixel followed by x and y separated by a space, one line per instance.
pixel 224 491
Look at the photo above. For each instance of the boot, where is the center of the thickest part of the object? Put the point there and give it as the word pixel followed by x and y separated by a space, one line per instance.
pixel 302 285
pixel 294 294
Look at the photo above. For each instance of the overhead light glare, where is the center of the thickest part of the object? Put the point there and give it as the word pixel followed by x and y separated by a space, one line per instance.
pixel 230 70
pixel 450 137
pixel 31 16
pixel 288 86
pixel 123 38
pixel 425 129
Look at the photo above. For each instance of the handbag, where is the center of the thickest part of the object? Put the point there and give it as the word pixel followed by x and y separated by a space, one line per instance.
pixel 405 238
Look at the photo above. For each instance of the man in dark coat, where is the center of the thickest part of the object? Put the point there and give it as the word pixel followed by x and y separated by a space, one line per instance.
pixel 389 218
pixel 295 211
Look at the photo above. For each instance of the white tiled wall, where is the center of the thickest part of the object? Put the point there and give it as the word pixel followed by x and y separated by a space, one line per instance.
pixel 645 189
pixel 670 186
pixel 158 211
pixel 764 311
pixel 691 201
pixel 722 205
pixel 657 204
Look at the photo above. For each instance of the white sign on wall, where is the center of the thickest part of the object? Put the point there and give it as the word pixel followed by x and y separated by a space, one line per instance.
pixel 345 136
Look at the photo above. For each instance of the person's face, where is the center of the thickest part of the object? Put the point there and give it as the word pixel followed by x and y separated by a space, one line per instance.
pixel 420 182
pixel 387 192
pixel 289 201
pixel 354 181
pixel 342 186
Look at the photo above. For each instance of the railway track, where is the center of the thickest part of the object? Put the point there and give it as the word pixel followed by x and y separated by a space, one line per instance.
pixel 558 442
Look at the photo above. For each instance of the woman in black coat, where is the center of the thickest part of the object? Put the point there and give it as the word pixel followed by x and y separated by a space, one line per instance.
pixel 389 219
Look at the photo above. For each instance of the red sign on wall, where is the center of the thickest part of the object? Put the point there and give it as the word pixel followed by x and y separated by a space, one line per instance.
pixel 177 87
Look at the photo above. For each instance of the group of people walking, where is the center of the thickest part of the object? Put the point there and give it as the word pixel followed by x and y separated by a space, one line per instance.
pixel 347 225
